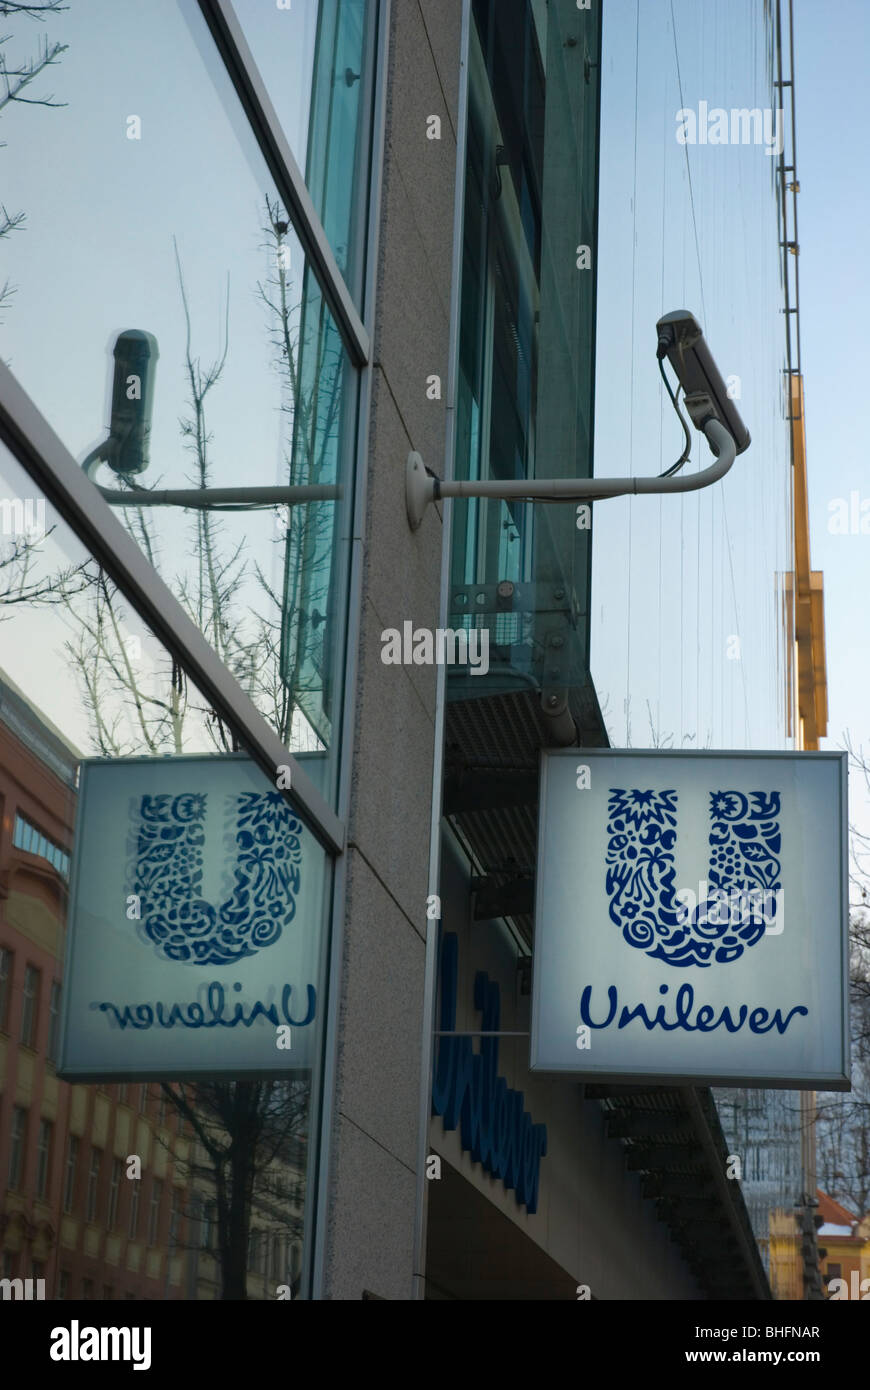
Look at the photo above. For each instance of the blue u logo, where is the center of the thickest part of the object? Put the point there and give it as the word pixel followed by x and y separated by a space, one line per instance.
pixel 743 873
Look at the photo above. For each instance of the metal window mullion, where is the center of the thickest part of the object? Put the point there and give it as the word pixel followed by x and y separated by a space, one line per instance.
pixel 327 1119
pixel 47 460
pixel 251 91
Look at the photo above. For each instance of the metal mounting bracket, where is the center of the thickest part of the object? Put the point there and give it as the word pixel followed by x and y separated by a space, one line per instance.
pixel 421 487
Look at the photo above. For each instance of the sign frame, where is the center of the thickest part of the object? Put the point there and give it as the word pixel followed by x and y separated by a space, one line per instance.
pixel 585 1069
pixel 288 1067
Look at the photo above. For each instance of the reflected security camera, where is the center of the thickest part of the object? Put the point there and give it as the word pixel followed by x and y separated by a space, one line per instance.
pixel 136 356
pixel 681 340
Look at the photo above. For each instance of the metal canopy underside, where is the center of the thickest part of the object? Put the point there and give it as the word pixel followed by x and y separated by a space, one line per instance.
pixel 671 1137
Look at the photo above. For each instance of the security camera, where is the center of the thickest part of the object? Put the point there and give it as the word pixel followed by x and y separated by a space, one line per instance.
pixel 681 340
pixel 136 356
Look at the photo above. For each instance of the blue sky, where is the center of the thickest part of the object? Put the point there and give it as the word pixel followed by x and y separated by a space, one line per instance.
pixel 832 43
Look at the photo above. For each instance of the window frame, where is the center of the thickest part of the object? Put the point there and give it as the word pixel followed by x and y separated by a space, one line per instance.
pixel 133 1214
pixel 17 1146
pixel 43 1159
pixel 154 1210
pixel 114 1194
pixel 70 1174
pixel 7 960
pixel 29 1022
pixel 92 1196
pixel 55 999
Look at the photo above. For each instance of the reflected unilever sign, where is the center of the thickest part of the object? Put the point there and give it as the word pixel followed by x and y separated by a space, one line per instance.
pixel 692 917
pixel 194 933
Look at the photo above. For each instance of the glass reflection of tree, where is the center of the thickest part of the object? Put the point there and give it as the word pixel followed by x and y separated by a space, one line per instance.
pixel 277 649
pixel 21 547
pixel 309 360
pixel 252 1136
pixel 16 79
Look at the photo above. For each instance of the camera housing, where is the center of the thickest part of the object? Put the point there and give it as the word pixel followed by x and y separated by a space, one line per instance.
pixel 681 340
pixel 136 356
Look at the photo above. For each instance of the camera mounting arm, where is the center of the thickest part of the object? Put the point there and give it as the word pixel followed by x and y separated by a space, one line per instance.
pixel 225 499
pixel 421 487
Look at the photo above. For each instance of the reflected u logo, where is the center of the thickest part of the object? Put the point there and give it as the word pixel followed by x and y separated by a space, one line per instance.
pixel 264 852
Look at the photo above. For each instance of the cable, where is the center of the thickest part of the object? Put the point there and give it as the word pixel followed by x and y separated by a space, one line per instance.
pixel 675 467
pixel 688 165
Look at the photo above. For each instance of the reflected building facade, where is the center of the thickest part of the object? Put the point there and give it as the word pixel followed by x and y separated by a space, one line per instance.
pixel 347 231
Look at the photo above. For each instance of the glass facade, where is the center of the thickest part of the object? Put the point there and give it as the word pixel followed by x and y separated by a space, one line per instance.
pixel 584 224
pixel 524 408
pixel 763 1129
pixel 188 300
pixel 315 60
pixel 689 615
pixel 692 609
pixel 183 251
pixel 198 336
pixel 83 678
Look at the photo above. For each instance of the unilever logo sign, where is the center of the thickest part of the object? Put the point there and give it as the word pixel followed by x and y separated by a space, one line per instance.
pixel 744 897
pixel 195 923
pixel 692 917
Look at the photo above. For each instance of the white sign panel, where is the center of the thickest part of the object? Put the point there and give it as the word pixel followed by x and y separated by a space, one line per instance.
pixel 195 924
pixel 692 918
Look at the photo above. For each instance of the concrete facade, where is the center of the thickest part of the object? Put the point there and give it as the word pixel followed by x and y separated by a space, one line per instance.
pixel 373 1174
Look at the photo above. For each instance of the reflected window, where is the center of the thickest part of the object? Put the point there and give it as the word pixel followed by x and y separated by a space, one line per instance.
pixel 133 1221
pixel 196 353
pixel 26 836
pixel 154 1214
pixel 69 1185
pixel 53 1021
pixel 114 1190
pixel 18 1141
pixel 519 573
pixel 93 1184
pixel 29 1006
pixel 315 60
pixel 43 1156
pixel 6 960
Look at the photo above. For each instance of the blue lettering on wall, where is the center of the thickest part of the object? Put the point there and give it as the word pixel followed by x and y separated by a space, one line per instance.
pixel 493 1126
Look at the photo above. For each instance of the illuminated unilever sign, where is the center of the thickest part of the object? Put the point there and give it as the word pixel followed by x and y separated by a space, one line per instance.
pixel 692 917
pixel 194 926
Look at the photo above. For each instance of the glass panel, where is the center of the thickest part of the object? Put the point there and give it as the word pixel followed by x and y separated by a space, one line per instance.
pixel 688 646
pixel 314 59
pixel 691 594
pixel 520 572
pixel 178 336
pixel 162 877
pixel 764 1127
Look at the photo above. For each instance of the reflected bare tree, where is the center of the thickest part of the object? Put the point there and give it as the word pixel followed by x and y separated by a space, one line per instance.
pixel 16 77
pixel 251 1137
pixel 248 1166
